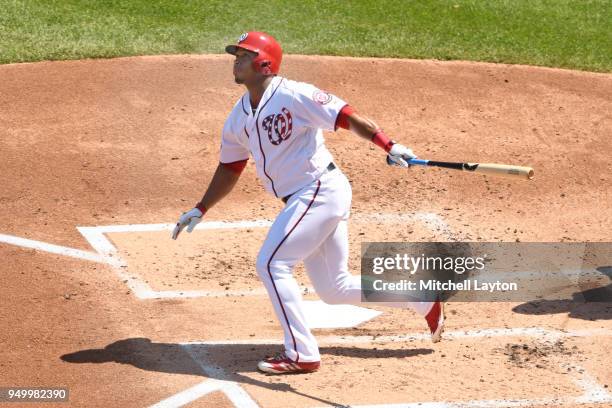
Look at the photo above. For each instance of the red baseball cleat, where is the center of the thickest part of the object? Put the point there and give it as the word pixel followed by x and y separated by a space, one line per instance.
pixel 281 364
pixel 435 321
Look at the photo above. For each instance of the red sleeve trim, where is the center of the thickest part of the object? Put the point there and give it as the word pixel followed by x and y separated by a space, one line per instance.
pixel 342 118
pixel 236 166
pixel 381 140
pixel 201 207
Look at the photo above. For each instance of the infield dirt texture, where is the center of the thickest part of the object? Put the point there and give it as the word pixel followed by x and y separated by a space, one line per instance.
pixel 133 141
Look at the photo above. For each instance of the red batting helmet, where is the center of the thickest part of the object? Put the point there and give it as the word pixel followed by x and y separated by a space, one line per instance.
pixel 269 52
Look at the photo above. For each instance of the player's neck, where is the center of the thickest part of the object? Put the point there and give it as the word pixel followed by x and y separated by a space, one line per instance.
pixel 257 90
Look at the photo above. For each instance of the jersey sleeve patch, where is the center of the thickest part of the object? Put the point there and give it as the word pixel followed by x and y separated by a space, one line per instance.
pixel 317 108
pixel 321 97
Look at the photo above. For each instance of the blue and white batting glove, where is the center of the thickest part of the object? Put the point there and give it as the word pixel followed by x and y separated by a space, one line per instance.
pixel 399 155
pixel 188 219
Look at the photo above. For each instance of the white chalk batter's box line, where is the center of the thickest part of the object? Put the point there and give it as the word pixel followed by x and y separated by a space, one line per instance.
pixel 592 392
pixel 96 236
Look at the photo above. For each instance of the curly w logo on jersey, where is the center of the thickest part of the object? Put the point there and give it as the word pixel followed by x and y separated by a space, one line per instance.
pixel 278 126
pixel 286 111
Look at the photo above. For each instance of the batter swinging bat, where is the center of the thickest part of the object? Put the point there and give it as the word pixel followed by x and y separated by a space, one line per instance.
pixel 485 168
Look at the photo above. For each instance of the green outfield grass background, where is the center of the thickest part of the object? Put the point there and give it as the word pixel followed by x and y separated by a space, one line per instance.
pixel 560 33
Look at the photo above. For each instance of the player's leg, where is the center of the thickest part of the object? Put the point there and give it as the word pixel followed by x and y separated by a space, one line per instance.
pixel 327 268
pixel 308 219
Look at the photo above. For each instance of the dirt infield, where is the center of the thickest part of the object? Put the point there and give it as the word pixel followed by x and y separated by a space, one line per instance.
pixel 124 316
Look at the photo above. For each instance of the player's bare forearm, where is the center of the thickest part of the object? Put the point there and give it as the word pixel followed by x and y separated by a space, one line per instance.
pixel 367 129
pixel 222 183
pixel 362 126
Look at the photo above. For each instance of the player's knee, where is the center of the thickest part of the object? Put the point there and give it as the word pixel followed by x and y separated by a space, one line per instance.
pixel 262 264
pixel 267 267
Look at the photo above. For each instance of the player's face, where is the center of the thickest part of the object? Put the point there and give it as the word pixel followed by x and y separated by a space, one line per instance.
pixel 243 67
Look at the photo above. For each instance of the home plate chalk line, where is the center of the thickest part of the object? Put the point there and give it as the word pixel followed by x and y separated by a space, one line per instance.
pixel 98 240
pixel 592 392
pixel 106 252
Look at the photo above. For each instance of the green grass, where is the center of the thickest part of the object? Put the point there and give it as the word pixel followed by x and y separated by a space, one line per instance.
pixel 560 33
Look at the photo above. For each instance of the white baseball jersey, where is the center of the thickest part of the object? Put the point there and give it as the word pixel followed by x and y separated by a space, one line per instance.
pixel 284 135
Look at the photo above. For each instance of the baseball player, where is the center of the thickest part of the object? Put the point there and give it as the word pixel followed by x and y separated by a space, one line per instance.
pixel 280 122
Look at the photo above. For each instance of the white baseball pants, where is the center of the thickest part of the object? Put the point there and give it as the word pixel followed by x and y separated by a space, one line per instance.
pixel 312 228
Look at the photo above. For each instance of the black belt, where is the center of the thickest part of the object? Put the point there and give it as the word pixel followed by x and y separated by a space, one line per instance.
pixel 331 166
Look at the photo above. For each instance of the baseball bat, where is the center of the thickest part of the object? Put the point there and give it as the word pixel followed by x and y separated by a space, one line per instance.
pixel 485 168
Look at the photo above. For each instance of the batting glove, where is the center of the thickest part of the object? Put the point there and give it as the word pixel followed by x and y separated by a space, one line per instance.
pixel 399 155
pixel 188 219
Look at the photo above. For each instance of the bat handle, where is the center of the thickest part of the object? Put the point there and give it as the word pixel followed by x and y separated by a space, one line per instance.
pixel 418 162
